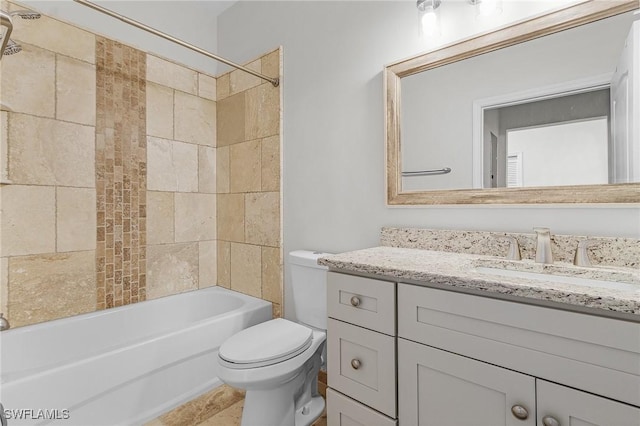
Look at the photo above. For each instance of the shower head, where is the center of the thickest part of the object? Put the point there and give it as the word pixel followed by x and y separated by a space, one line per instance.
pixel 26 14
pixel 12 47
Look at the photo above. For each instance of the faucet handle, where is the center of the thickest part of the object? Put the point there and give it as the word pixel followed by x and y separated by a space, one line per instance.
pixel 514 248
pixel 581 257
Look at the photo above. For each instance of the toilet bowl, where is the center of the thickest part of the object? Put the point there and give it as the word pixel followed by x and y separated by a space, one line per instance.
pixel 277 362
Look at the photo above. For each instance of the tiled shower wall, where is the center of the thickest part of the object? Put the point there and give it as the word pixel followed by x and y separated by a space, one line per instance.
pixel 248 173
pixel 108 191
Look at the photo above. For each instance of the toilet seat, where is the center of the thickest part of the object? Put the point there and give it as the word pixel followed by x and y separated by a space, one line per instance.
pixel 268 343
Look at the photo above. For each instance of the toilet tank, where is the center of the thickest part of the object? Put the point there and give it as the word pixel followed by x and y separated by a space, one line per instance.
pixel 309 284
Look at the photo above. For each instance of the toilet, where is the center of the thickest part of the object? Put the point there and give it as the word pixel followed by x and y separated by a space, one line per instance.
pixel 277 362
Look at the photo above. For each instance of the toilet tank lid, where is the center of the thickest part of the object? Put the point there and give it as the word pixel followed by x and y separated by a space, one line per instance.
pixel 307 258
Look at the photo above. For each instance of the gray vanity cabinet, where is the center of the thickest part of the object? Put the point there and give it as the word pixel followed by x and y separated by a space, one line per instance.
pixel 361 351
pixel 453 349
pixel 412 355
pixel 440 388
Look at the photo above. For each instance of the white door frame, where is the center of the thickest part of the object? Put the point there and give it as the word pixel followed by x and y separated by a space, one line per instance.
pixel 573 87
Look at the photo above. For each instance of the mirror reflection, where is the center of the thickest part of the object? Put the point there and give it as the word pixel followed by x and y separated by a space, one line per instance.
pixel 557 110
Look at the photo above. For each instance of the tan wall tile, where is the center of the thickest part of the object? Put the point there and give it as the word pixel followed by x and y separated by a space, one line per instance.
pixel 75 91
pixel 28 220
pixel 239 81
pixel 222 169
pixel 57 36
pixel 29 88
pixel 276 311
pixel 270 159
pixel 262 218
pixel 185 165
pixel 195 217
pixel 159 111
pixel 223 86
pixel 4 149
pixel 244 167
pixel 208 263
pixel 160 217
pixel 50 286
pixel 231 120
pixel 206 87
pixel 76 219
pixel 172 75
pixel 230 217
pixel 262 111
pixel 246 271
pixel 4 283
pixel 271 64
pixel 206 169
pixel 171 166
pixel 171 269
pixel 272 274
pixel 195 119
pixel 223 255
pixel 49 152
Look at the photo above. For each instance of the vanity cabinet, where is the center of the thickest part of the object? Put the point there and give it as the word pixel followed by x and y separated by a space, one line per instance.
pixel 361 351
pixel 464 359
pixel 436 387
pixel 471 360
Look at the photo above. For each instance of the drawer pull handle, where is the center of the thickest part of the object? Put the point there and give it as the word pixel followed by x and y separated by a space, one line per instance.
pixel 355 363
pixel 550 421
pixel 355 301
pixel 519 412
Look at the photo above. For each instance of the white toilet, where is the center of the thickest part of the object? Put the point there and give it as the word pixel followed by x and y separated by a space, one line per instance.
pixel 277 362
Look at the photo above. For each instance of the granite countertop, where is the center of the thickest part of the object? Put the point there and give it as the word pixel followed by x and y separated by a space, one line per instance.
pixel 459 271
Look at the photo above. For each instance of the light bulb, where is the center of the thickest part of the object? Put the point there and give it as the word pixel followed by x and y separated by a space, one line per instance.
pixel 489 7
pixel 429 23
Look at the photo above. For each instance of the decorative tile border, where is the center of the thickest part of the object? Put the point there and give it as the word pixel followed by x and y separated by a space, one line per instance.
pixel 121 174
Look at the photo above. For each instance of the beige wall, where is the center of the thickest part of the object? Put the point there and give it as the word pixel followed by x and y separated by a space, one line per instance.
pixel 109 177
pixel 248 182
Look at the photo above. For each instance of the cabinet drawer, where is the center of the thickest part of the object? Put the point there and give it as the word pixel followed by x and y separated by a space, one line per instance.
pixel 361 363
pixel 362 301
pixel 344 411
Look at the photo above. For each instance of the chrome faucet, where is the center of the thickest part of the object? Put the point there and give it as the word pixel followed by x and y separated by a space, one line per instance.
pixel 514 248
pixel 543 246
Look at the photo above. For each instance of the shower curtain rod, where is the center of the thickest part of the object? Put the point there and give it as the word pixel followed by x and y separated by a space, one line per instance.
pixel 274 81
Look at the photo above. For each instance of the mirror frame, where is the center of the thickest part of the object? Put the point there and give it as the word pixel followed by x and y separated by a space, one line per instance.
pixel 549 23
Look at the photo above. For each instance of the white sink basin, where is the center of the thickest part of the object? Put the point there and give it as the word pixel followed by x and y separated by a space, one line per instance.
pixel 551 278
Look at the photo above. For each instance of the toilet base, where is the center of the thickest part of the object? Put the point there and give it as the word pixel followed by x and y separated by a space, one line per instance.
pixel 308 414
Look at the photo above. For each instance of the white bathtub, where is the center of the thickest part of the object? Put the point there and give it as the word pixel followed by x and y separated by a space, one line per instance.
pixel 125 365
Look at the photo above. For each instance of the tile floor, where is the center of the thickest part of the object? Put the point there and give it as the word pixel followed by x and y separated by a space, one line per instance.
pixel 232 415
pixel 220 407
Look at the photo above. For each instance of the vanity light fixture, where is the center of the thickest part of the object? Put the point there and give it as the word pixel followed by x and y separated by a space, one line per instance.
pixel 429 17
pixel 487 7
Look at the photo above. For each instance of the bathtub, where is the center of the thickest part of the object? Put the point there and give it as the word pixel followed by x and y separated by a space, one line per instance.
pixel 121 366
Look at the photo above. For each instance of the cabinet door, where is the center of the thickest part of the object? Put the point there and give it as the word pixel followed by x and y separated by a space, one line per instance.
pixel 439 388
pixel 570 407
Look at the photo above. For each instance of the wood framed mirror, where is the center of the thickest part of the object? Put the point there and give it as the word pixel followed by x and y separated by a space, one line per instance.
pixel 474 170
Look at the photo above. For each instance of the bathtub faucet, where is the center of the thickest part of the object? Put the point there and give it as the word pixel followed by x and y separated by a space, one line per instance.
pixel 4 323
